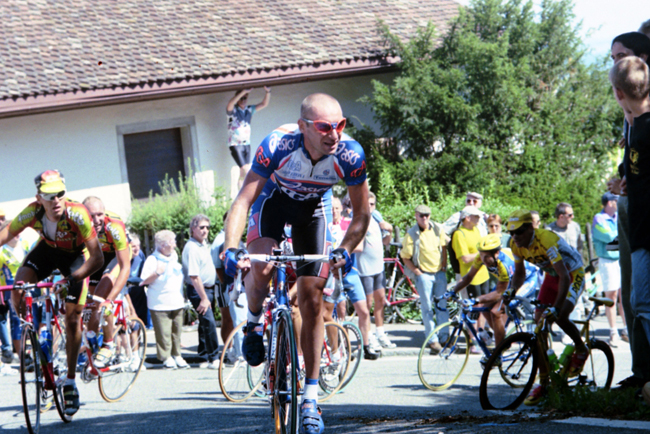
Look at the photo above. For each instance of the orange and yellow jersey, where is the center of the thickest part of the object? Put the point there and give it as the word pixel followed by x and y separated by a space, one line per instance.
pixel 547 248
pixel 72 231
pixel 113 238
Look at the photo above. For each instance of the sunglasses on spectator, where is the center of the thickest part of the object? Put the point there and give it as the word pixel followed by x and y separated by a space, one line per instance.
pixel 424 216
pixel 326 127
pixel 569 215
pixel 472 200
pixel 519 231
pixel 371 203
pixel 51 196
pixel 204 227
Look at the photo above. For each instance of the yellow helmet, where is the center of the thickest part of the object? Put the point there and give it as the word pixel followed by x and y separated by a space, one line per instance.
pixel 489 243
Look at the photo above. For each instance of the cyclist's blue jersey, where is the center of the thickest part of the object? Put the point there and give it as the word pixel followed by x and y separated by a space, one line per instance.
pixel 505 268
pixel 283 159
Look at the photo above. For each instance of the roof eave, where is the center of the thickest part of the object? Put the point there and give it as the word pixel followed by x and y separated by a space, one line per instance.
pixel 172 89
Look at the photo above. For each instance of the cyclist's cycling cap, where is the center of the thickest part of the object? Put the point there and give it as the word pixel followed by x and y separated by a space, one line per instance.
pixel 423 209
pixel 489 243
pixel 50 181
pixel 470 210
pixel 519 218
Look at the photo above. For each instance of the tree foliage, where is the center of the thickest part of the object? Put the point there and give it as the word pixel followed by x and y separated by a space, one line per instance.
pixel 503 104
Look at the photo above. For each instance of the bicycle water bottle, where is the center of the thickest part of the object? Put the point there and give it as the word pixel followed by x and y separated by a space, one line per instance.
pixel 92 341
pixel 553 360
pixel 565 357
pixel 46 344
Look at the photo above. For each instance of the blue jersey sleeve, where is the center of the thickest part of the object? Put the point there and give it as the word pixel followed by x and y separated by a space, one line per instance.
pixel 273 149
pixel 352 160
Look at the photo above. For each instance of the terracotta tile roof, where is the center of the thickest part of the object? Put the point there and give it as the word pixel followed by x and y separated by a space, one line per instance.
pixel 59 46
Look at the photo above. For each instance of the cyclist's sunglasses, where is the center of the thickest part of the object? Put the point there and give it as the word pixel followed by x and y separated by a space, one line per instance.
pixel 51 196
pixel 326 127
pixel 519 231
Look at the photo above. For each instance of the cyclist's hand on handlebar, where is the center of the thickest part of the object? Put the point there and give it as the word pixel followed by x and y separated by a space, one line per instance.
pixel 450 295
pixel 62 287
pixel 508 294
pixel 340 258
pixel 235 259
pixel 550 314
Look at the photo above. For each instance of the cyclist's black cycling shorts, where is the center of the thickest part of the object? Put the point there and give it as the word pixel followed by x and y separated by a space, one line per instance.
pixel 44 259
pixel 309 227
pixel 110 262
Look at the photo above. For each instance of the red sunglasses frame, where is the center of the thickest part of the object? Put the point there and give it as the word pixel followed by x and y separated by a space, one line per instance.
pixel 325 127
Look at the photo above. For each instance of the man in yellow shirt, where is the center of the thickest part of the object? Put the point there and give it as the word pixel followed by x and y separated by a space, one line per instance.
pixel 425 256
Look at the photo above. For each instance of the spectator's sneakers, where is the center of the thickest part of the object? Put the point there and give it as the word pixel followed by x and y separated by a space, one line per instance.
pixel 7 356
pixel 253 345
pixel 374 343
pixel 103 357
pixel 170 363
pixel 311 421
pixel 369 353
pixel 434 348
pixel 624 336
pixel 210 365
pixel 135 362
pixel 5 370
pixel 646 392
pixel 70 399
pixel 614 339
pixel 536 395
pixel 385 342
pixel 181 363
pixel 230 359
pixel 630 383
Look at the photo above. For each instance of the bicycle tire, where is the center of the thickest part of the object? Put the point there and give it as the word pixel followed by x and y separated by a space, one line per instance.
pixel 234 378
pixel 285 385
pixel 356 354
pixel 405 303
pixel 332 373
pixel 598 371
pixel 31 378
pixel 438 372
pixel 60 370
pixel 118 377
pixel 516 359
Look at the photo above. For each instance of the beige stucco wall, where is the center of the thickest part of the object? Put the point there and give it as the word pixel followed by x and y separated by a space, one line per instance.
pixel 84 143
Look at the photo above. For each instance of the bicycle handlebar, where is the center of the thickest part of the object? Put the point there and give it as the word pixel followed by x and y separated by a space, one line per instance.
pixel 287 258
pixel 23 286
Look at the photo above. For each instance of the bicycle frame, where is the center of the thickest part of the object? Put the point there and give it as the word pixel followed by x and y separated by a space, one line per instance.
pixel 390 284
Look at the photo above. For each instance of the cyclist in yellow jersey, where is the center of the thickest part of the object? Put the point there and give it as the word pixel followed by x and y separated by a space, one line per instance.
pixel 563 284
pixel 108 281
pixel 68 243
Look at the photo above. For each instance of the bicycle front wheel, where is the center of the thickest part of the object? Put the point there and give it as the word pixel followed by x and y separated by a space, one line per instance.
pixel 598 371
pixel 356 354
pixel 31 378
pixel 117 378
pixel 335 360
pixel 234 379
pixel 509 373
pixel 285 386
pixel 405 302
pixel 60 369
pixel 439 371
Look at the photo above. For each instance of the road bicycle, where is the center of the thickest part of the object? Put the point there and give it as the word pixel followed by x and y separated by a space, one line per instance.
pixel 43 362
pixel 440 371
pixel 280 377
pixel 130 338
pixel 402 298
pixel 519 356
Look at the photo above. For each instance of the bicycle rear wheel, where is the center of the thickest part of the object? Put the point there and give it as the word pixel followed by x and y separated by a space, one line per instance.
pixel 31 378
pixel 509 373
pixel 60 369
pixel 439 371
pixel 117 378
pixel 405 303
pixel 235 380
pixel 285 386
pixel 356 354
pixel 598 371
pixel 335 360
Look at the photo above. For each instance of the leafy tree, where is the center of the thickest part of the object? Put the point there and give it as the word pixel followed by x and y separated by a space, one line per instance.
pixel 503 104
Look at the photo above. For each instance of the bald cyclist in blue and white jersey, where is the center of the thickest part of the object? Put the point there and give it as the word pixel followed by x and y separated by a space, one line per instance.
pixel 290 182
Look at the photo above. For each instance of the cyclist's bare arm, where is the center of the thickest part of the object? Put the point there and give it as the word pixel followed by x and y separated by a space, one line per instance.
pixel 563 284
pixel 124 263
pixel 466 279
pixel 93 263
pixel 360 217
pixel 5 236
pixel 519 276
pixel 237 217
pixel 495 295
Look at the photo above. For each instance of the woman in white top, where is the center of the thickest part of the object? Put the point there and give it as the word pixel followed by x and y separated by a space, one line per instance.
pixel 164 276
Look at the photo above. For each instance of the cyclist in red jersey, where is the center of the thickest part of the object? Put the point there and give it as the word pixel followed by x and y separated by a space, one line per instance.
pixel 68 243
pixel 109 280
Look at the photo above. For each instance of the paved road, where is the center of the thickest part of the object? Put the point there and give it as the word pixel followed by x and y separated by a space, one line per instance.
pixel 386 396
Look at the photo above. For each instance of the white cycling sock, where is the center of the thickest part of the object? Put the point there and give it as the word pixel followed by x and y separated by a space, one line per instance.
pixel 255 317
pixel 69 382
pixel 311 390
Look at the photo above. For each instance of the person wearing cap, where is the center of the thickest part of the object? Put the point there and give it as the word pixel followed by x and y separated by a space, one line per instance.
pixel 68 242
pixel 424 253
pixel 563 283
pixel 471 199
pixel 500 264
pixel 605 236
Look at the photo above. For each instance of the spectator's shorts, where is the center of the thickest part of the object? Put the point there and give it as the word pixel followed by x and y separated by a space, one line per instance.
pixel 308 220
pixel 373 283
pixel 221 295
pixel 241 154
pixel 548 291
pixel 610 274
pixel 351 285
pixel 44 259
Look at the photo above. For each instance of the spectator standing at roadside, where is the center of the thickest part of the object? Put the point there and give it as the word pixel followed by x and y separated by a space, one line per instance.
pixel 239 128
pixel 163 275
pixel 200 278
pixel 371 271
pixel 536 220
pixel 565 227
pixel 425 256
pixel 495 226
pixel 605 236
pixel 137 293
pixel 472 199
